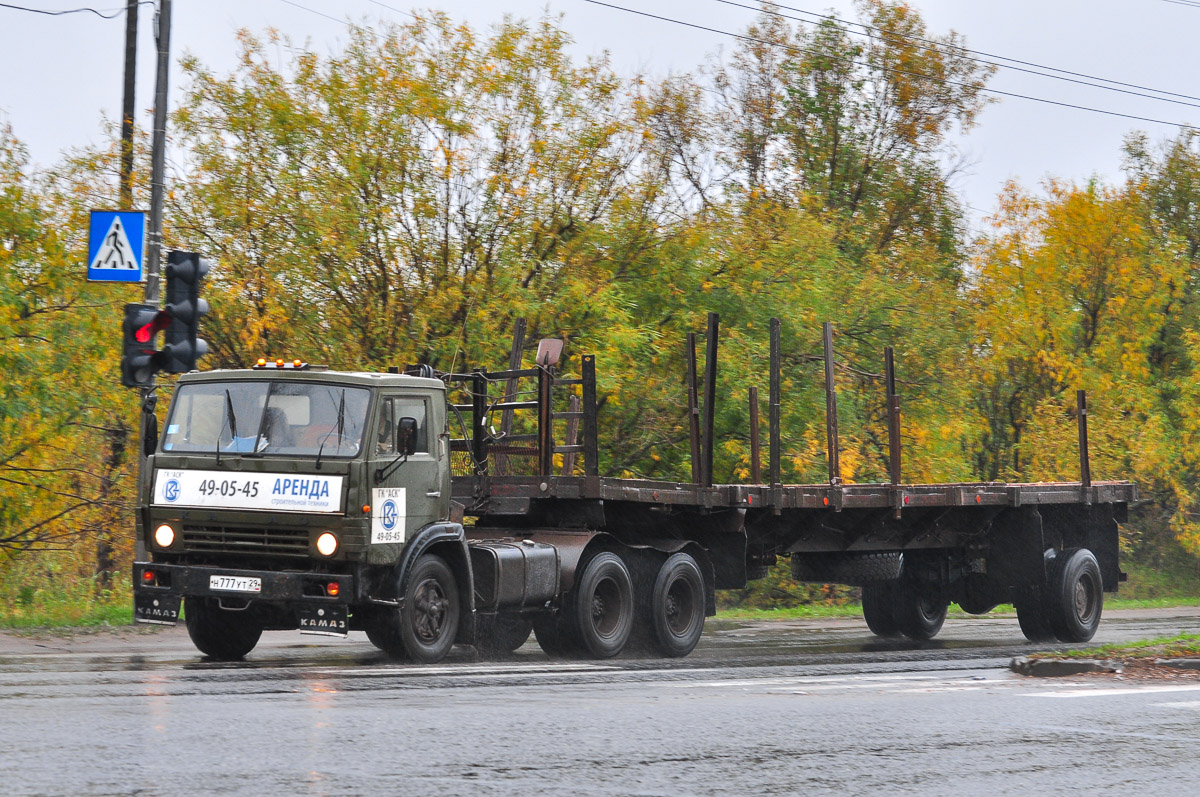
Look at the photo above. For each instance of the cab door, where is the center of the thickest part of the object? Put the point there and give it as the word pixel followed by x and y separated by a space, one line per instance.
pixel 410 493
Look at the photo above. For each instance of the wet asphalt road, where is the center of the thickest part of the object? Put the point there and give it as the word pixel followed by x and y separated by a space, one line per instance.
pixel 768 708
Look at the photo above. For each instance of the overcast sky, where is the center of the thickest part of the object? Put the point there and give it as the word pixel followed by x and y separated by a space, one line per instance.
pixel 61 75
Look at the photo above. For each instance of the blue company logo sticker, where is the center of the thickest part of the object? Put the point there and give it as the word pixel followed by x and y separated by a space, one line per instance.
pixel 389 514
pixel 171 490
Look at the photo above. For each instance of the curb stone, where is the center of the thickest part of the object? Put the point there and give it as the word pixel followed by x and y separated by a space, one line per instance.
pixel 1180 664
pixel 1055 668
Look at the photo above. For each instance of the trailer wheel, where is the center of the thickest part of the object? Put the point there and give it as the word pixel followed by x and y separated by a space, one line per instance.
pixel 677 606
pixel 217 633
pixel 424 629
pixel 1076 595
pixel 502 633
pixel 603 606
pixel 1033 617
pixel 877 605
pixel 919 609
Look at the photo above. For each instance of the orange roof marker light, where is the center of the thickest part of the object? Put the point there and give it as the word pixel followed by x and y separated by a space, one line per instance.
pixel 280 364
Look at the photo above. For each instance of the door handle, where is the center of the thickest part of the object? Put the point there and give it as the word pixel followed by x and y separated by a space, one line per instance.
pixel 434 494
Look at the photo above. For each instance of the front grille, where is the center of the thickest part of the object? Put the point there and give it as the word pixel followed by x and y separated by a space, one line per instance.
pixel 248 541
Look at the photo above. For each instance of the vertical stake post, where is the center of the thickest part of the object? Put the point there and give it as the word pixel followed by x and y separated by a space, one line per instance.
pixel 545 421
pixel 755 454
pixel 510 389
pixel 1085 466
pixel 591 446
pixel 773 407
pixel 479 404
pixel 831 428
pixel 710 395
pixel 693 408
pixel 893 408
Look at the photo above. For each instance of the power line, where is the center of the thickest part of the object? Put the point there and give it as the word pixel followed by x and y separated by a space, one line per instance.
pixel 893 70
pixel 116 12
pixel 890 36
pixel 1184 3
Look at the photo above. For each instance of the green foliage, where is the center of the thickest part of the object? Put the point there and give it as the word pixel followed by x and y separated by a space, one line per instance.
pixel 406 198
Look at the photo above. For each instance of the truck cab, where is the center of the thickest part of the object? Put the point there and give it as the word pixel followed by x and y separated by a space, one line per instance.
pixel 288 497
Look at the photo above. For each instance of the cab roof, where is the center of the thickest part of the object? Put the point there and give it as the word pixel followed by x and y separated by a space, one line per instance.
pixel 367 379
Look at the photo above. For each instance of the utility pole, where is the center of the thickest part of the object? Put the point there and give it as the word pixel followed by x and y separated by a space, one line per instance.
pixel 162 34
pixel 158 144
pixel 127 106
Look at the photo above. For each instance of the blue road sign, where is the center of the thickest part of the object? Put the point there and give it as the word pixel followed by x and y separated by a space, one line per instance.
pixel 116 243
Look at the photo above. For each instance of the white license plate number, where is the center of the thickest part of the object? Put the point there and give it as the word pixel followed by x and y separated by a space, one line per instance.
pixel 235 584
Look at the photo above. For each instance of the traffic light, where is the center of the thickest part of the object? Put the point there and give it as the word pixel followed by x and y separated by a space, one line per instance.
pixel 184 307
pixel 139 359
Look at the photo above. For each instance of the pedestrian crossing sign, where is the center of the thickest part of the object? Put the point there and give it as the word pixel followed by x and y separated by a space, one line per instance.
pixel 116 243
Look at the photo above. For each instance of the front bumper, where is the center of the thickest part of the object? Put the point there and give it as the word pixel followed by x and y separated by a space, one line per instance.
pixel 156 598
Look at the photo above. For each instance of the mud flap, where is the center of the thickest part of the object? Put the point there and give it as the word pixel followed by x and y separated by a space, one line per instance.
pixel 332 620
pixel 157 609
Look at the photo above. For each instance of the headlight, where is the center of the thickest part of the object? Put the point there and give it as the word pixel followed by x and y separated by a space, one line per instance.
pixel 164 536
pixel 327 544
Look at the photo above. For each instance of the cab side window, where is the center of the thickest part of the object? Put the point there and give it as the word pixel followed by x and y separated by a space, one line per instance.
pixel 392 410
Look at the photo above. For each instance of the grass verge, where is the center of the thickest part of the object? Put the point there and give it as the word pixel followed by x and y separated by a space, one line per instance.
pixel 1182 645
pixel 855 609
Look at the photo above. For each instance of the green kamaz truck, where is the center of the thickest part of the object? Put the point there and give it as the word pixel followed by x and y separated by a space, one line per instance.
pixel 290 497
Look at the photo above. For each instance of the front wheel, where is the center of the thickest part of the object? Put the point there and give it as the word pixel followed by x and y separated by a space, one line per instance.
pixel 218 633
pixel 424 629
pixel 501 633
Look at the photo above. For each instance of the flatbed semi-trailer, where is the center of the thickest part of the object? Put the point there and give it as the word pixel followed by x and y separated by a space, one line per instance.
pixel 289 497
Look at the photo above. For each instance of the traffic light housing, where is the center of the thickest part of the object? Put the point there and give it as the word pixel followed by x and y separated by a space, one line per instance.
pixel 185 308
pixel 139 359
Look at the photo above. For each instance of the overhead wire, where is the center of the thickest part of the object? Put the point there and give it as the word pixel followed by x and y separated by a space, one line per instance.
pixel 970 54
pixel 115 12
pixel 894 70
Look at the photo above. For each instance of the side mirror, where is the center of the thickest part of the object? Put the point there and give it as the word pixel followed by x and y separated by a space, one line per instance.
pixel 406 436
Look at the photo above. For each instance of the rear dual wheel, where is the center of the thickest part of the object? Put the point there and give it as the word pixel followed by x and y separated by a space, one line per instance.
pixel 906 607
pixel 1069 607
pixel 677 608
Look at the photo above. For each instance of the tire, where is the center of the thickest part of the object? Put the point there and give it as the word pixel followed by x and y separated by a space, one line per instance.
pixel 502 633
pixel 602 606
pixel 1033 617
pixel 423 630
pixel 1076 596
pixel 677 606
pixel 553 637
pixel 919 610
pixel 855 569
pixel 217 633
pixel 877 604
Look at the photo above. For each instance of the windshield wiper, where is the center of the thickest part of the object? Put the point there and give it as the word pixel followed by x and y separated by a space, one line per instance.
pixel 341 425
pixel 228 418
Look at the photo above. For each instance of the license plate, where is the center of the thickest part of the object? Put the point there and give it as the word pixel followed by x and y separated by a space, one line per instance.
pixel 234 584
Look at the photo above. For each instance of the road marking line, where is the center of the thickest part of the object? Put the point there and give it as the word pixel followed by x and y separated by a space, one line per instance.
pixel 1133 690
pixel 1192 704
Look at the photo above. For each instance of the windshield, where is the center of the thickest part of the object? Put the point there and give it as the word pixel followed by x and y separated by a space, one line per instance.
pixel 267 418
